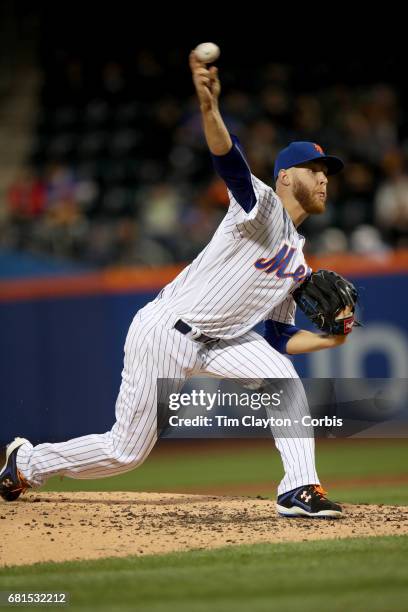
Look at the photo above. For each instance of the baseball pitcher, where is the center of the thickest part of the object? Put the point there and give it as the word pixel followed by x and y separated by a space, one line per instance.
pixel 252 270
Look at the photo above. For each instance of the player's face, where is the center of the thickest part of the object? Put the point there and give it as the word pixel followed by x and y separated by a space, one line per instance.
pixel 310 186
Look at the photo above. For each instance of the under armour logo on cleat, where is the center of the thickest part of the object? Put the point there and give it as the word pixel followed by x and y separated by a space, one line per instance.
pixel 7 483
pixel 306 497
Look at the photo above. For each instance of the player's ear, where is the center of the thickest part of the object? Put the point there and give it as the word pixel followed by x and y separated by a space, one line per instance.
pixel 284 178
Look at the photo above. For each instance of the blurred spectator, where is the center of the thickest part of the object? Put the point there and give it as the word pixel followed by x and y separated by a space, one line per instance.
pixel 391 200
pixel 161 208
pixel 26 196
pixel 60 184
pixel 308 118
pixel 332 240
pixel 366 239
pixel 356 203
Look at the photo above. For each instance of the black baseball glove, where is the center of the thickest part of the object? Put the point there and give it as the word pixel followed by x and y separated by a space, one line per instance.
pixel 322 297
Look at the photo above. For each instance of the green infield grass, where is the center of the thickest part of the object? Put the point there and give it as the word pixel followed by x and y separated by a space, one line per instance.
pixel 353 574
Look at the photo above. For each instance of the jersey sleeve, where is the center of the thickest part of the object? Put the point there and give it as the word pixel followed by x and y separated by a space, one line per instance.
pixel 252 202
pixel 234 170
pixel 239 224
pixel 280 324
pixel 278 334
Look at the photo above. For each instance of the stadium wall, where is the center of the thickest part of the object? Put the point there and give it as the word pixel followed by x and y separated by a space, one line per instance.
pixel 62 341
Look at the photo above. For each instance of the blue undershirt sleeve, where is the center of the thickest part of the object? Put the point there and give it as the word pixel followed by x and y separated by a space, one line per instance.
pixel 278 334
pixel 234 170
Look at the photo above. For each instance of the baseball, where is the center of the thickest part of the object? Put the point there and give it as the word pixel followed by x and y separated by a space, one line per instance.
pixel 207 52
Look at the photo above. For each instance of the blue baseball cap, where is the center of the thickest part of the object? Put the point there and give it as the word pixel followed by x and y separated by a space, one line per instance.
pixel 301 152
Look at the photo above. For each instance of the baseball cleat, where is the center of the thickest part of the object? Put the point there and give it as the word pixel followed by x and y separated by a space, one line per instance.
pixel 12 482
pixel 309 501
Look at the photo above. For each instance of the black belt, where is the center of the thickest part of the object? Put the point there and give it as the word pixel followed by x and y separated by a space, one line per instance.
pixel 185 328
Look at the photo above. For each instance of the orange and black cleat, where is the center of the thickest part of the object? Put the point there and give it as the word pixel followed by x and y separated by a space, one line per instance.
pixel 308 501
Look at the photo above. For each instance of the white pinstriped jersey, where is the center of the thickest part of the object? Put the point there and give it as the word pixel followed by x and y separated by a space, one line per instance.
pixel 245 273
pixel 285 312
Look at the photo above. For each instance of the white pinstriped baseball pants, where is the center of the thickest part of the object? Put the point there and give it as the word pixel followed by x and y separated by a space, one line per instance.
pixel 154 349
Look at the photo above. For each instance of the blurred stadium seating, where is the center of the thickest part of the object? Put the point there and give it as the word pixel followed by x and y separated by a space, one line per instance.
pixel 117 172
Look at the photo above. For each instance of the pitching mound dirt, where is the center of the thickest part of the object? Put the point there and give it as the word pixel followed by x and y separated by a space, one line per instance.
pixel 72 526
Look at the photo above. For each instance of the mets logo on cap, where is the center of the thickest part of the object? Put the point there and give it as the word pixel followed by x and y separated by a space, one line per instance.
pixel 318 148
